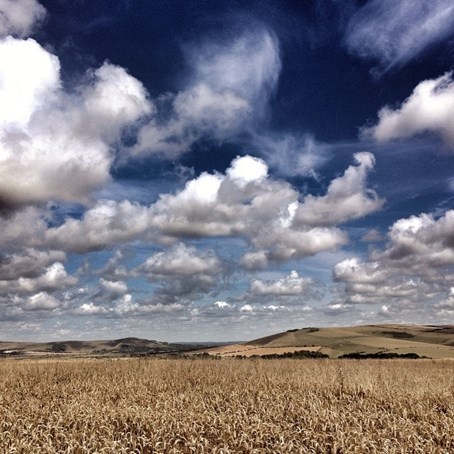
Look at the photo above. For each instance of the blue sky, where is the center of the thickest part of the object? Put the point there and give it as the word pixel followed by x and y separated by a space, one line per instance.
pixel 198 170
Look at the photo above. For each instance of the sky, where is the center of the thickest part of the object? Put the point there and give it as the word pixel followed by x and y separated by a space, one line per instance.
pixel 218 171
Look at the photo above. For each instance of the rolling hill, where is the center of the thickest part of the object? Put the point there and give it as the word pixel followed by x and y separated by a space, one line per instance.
pixel 119 347
pixel 429 341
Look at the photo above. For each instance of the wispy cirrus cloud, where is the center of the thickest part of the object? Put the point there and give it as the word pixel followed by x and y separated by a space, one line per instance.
pixel 395 32
pixel 289 154
pixel 227 92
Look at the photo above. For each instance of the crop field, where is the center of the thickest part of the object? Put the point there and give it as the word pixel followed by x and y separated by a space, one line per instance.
pixel 226 406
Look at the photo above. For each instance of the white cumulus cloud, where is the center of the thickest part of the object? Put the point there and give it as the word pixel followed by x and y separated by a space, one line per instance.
pixel 41 301
pixel 90 309
pixel 54 277
pixel 244 170
pixel 20 17
pixel 353 270
pixel 181 260
pixel 430 108
pixel 56 145
pixel 111 289
pixel 254 260
pixel 293 284
pixel 251 205
pixel 222 305
pixel 414 267
pixel 346 198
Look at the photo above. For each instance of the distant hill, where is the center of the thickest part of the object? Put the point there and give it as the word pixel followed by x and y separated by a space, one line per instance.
pixel 423 340
pixel 118 347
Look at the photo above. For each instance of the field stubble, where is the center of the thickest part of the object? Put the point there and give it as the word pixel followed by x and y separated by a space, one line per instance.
pixel 241 406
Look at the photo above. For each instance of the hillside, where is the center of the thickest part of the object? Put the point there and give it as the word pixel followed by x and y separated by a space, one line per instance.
pixel 423 340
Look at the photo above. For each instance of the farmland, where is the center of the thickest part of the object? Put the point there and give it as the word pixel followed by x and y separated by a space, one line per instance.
pixel 226 406
pixel 427 341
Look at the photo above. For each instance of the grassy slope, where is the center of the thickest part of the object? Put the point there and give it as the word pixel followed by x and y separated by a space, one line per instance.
pixel 431 341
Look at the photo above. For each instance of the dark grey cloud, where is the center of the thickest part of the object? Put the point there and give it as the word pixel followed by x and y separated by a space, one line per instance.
pixel 29 263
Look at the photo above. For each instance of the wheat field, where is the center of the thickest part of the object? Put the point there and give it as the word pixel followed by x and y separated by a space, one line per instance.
pixel 226 406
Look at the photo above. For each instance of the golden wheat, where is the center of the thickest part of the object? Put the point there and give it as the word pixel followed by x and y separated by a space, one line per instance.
pixel 242 406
